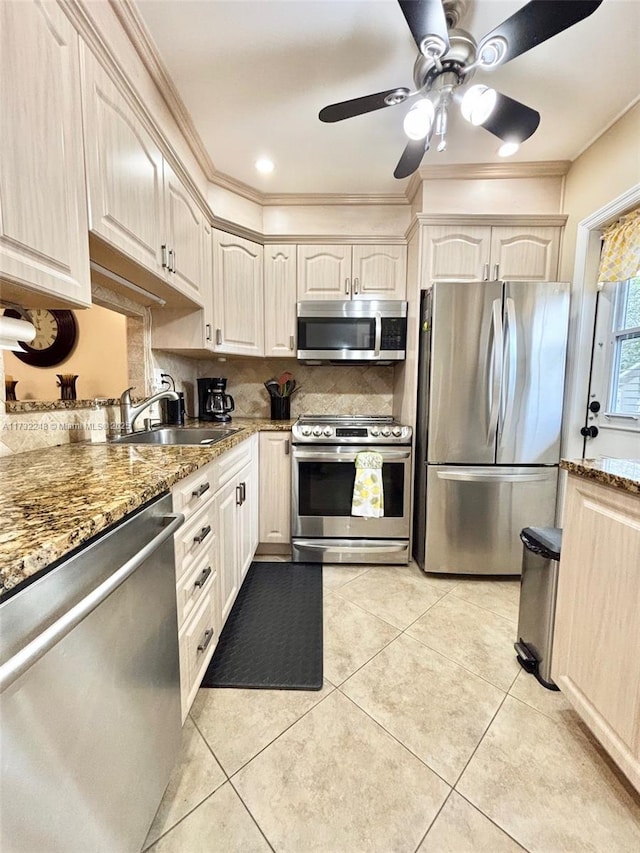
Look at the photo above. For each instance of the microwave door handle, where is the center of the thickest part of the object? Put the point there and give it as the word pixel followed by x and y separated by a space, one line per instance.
pixel 378 339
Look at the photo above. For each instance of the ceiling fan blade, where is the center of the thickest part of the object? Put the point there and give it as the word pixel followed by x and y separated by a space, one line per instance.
pixel 411 157
pixel 511 121
pixel 425 18
pixel 366 104
pixel 536 22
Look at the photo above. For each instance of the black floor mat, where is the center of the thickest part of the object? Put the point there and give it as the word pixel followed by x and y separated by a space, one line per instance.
pixel 273 636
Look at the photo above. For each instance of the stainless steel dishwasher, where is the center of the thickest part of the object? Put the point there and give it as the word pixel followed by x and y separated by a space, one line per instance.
pixel 90 693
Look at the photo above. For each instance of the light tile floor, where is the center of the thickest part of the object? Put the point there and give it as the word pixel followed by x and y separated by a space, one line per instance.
pixel 426 738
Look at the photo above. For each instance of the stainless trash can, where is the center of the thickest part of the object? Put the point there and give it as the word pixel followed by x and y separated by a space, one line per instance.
pixel 538 588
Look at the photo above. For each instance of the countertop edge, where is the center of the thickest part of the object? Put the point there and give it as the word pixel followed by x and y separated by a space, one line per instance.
pixel 622 474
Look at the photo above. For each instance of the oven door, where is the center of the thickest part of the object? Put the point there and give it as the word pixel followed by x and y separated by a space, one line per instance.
pixel 323 478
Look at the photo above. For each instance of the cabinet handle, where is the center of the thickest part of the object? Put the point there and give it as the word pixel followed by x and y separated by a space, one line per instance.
pixel 207 329
pixel 208 636
pixel 199 492
pixel 292 342
pixel 171 266
pixel 356 286
pixel 347 288
pixel 238 496
pixel 175 259
pixel 202 535
pixel 203 577
pixel 218 336
pixel 287 447
pixel 485 272
pixel 496 272
pixel 163 249
pixel 243 492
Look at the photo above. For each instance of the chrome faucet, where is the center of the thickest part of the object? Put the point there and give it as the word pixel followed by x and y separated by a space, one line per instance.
pixel 129 412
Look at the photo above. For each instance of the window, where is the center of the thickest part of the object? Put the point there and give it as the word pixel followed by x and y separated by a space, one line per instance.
pixel 624 388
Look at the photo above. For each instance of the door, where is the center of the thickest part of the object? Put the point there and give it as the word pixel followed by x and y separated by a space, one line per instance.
pixel 324 272
pixel 183 237
pixel 275 488
pixel 247 516
pixel 529 254
pixel 466 343
pixel 613 406
pixel 43 220
pixel 237 295
pixel 379 272
pixel 536 317
pixel 454 253
pixel 475 515
pixel 280 301
pixel 227 503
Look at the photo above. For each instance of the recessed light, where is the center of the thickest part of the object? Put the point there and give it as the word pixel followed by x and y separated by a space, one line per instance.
pixel 508 149
pixel 264 165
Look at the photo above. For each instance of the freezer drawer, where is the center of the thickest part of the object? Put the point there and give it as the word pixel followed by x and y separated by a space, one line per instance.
pixel 475 515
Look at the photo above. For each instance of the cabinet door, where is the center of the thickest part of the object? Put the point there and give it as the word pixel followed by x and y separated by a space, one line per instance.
pixel 525 254
pixel 275 488
pixel 237 295
pixel 280 300
pixel 43 220
pixel 207 284
pixel 183 237
pixel 379 272
pixel 227 504
pixel 324 272
pixel 453 253
pixel 597 632
pixel 124 171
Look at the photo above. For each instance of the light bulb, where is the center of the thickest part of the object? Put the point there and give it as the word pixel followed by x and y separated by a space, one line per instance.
pixel 419 119
pixel 264 165
pixel 508 149
pixel 478 103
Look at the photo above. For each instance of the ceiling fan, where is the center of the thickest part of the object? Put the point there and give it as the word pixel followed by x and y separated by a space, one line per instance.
pixel 446 63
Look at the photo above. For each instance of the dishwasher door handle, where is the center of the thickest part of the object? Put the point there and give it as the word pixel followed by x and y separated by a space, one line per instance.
pixel 33 651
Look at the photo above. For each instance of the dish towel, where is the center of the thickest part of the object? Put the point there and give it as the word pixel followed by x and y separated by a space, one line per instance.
pixel 368 496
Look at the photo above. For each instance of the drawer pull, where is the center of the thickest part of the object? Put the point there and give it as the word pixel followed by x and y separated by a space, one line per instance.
pixel 199 492
pixel 238 495
pixel 203 534
pixel 208 636
pixel 243 492
pixel 203 577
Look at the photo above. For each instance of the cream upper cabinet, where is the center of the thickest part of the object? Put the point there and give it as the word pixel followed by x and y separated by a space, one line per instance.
pixel 237 295
pixel 184 236
pixel 279 300
pixel 43 220
pixel 275 488
pixel 352 272
pixel 487 253
pixel 379 272
pixel 595 658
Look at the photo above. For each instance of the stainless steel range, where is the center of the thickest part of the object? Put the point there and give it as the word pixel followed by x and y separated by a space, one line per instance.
pixel 323 527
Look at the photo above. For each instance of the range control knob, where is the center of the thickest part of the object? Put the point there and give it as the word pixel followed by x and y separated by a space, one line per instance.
pixel 374 431
pixel 306 430
pixel 317 430
pixel 328 431
pixel 386 432
pixel 397 431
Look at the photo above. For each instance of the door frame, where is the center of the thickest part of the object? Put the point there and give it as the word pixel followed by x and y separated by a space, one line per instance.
pixel 584 293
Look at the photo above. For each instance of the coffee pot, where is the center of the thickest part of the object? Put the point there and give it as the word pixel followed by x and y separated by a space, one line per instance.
pixel 218 403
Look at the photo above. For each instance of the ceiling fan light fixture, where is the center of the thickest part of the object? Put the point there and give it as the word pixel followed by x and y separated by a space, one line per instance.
pixel 419 120
pixel 478 103
pixel 492 52
pixel 507 149
pixel 264 165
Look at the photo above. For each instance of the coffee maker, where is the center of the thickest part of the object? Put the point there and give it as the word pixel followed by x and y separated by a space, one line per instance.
pixel 214 404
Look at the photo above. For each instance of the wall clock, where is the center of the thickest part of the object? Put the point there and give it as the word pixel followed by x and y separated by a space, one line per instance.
pixel 56 336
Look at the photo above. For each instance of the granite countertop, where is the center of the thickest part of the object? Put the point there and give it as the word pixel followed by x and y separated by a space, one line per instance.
pixel 56 498
pixel 619 473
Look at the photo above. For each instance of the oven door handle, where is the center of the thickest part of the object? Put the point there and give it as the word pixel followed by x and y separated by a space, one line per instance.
pixel 332 456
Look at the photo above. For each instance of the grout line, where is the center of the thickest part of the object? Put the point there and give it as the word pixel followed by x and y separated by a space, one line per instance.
pixel 184 817
pixel 250 813
pixel 209 747
pixel 435 818
pixel 482 737
pixel 483 607
pixel 502 829
pixel 373 657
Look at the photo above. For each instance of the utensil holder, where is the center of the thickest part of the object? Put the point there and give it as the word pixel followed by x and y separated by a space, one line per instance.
pixel 67 385
pixel 280 408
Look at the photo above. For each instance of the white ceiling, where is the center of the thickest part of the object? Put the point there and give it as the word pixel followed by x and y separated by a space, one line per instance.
pixel 254 74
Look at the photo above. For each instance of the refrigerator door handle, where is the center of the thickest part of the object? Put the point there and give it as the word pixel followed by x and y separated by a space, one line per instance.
pixel 510 368
pixel 472 475
pixel 496 348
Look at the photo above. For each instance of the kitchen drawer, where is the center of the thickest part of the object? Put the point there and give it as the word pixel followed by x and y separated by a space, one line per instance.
pixel 197 641
pixel 193 539
pixel 196 583
pixel 194 491
pixel 230 463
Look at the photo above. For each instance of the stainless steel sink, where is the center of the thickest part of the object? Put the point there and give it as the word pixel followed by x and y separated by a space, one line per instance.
pixel 205 436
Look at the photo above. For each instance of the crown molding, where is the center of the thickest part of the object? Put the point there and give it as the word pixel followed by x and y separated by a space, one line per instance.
pixel 494 171
pixel 333 239
pixel 311 199
pixel 521 219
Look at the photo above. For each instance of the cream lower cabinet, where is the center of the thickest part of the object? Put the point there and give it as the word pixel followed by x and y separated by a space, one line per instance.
pixel 280 317
pixel 489 253
pixel 275 489
pixel 596 652
pixel 44 248
pixel 238 301
pixel 352 272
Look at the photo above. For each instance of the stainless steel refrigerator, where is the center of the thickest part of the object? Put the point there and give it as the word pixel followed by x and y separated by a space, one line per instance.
pixel 490 392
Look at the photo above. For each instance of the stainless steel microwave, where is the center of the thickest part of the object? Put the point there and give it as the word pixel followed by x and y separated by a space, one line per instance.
pixel 352 331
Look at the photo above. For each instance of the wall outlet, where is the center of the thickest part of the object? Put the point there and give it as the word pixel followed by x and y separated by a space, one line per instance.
pixel 158 383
